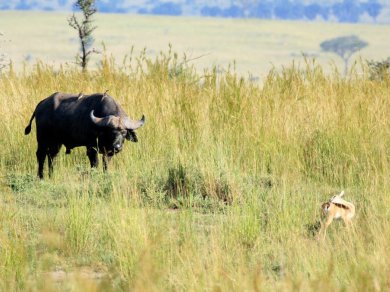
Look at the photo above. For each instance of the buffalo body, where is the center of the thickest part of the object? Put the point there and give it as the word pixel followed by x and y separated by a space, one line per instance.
pixel 95 121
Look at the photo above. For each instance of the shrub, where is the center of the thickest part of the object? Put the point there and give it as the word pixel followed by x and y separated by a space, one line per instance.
pixel 379 70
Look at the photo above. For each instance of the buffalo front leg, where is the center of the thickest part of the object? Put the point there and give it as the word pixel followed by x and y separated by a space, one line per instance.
pixel 41 156
pixel 106 159
pixel 93 156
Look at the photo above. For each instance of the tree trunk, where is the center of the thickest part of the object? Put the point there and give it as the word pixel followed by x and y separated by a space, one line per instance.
pixel 345 66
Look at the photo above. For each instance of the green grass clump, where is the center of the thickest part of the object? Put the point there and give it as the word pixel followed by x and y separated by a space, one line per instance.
pixel 222 191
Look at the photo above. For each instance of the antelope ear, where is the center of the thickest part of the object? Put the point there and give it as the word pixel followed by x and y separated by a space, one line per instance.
pixel 131 136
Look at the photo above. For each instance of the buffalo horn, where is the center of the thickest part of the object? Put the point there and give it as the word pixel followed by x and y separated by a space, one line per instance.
pixel 101 122
pixel 132 125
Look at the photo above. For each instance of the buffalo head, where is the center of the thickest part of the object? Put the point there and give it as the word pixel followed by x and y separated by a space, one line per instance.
pixel 113 130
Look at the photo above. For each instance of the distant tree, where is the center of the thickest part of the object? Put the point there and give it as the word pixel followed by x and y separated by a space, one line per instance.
pixel 5 6
pixel 325 11
pixel 167 8
pixel 142 11
pixel 344 46
pixel 312 10
pixel 84 28
pixel 47 8
pixel 373 8
pixel 285 9
pixel 111 6
pixel 262 10
pixel 212 11
pixel 282 9
pixel 347 11
pixel 23 5
pixel 246 6
pixel 233 11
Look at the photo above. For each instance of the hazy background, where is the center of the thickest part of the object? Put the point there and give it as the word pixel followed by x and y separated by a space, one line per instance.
pixel 330 10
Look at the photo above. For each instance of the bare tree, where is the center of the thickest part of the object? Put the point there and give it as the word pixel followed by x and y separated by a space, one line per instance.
pixel 84 28
pixel 345 47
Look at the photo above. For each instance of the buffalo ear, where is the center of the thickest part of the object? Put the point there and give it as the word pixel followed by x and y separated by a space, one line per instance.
pixel 131 136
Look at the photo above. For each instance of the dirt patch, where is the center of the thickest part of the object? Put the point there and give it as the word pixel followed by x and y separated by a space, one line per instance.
pixel 83 273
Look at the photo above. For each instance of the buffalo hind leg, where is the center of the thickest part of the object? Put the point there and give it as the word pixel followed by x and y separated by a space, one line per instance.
pixel 93 156
pixel 41 156
pixel 52 153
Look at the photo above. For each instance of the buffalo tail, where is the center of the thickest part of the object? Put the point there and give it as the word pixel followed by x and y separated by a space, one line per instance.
pixel 28 128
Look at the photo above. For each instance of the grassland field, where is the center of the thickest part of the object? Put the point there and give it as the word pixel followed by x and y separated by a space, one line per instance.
pixel 222 191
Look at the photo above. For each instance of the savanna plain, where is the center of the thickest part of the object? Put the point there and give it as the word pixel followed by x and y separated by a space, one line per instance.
pixel 222 191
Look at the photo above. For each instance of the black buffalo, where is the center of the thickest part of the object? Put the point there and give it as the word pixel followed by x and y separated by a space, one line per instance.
pixel 95 121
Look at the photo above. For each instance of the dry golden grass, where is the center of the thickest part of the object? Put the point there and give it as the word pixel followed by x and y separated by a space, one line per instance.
pixel 222 192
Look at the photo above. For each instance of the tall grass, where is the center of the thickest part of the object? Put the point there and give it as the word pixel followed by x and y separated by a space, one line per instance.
pixel 221 192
